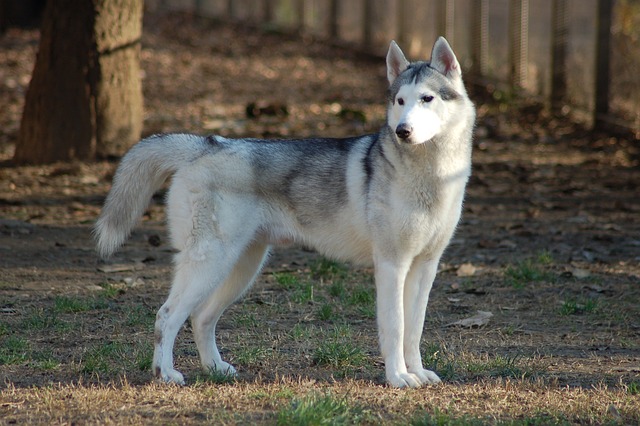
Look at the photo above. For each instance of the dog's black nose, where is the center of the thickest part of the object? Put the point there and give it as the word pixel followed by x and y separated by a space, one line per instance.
pixel 403 131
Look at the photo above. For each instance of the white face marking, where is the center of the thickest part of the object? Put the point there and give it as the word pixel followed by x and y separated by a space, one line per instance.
pixel 421 109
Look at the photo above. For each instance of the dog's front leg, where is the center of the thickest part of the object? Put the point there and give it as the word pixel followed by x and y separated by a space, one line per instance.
pixel 416 296
pixel 390 277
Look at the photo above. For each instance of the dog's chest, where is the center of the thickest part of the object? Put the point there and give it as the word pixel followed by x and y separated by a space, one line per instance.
pixel 425 218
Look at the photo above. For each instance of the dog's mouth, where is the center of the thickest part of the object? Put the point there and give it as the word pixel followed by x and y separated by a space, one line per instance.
pixel 411 141
pixel 406 135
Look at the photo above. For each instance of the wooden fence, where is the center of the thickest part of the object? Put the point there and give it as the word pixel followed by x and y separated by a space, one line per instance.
pixel 580 57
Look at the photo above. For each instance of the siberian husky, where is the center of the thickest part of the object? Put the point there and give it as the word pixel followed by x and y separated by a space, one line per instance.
pixel 391 199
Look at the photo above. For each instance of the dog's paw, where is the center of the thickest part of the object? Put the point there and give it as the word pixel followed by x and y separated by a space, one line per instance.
pixel 170 376
pixel 426 377
pixel 220 368
pixel 404 380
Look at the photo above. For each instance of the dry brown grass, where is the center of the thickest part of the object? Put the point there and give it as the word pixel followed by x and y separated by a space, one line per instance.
pixel 491 401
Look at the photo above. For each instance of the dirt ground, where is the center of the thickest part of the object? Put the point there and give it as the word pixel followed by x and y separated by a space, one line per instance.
pixel 549 242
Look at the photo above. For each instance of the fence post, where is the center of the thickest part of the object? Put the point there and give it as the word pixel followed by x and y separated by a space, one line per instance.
pixel 559 37
pixel 445 21
pixel 401 20
pixel 603 58
pixel 367 23
pixel 333 20
pixel 268 11
pixel 480 37
pixel 231 9
pixel 519 42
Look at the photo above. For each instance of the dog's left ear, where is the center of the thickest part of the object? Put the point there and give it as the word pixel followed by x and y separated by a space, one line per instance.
pixel 396 62
pixel 444 60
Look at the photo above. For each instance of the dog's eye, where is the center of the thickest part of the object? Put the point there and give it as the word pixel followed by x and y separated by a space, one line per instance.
pixel 400 101
pixel 426 99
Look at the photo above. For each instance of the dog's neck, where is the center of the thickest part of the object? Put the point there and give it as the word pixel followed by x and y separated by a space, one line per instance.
pixel 445 158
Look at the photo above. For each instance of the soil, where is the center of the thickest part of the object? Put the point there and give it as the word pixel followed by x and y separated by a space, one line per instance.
pixel 545 193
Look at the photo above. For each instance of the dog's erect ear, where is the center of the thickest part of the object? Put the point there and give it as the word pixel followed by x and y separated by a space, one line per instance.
pixel 444 60
pixel 396 62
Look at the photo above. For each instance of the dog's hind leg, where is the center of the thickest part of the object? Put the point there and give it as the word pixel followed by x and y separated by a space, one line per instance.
pixel 416 296
pixel 205 318
pixel 199 270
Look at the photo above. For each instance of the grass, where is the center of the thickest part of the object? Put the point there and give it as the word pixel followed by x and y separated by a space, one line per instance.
pixel 117 357
pixel 470 366
pixel 67 305
pixel 292 401
pixel 326 313
pixel 577 307
pixel 327 269
pixel 532 270
pixel 42 319
pixel 320 410
pixel 14 350
pixel 215 377
pixel 324 324
pixel 287 280
pixel 441 418
pixel 339 351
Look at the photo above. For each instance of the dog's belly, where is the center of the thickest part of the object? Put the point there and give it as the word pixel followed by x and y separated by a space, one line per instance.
pixel 338 239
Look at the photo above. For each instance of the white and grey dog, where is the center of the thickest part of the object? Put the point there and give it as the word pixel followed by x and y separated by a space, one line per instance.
pixel 391 199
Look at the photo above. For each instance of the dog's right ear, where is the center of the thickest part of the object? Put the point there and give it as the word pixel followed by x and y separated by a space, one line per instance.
pixel 396 62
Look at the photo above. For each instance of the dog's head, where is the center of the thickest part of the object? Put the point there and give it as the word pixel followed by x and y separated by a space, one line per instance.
pixel 422 95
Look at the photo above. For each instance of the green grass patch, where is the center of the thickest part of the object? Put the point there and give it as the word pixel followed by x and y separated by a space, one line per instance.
pixel 247 320
pixel 302 332
pixel 140 315
pixel 529 271
pixel 340 352
pixel 515 367
pixel 450 366
pixel 214 376
pixel 441 418
pixel 14 350
pixel 69 305
pixel 45 361
pixel 114 357
pixel 337 290
pixel 303 294
pixel 287 280
pixel 577 307
pixel 362 296
pixel 251 355
pixel 328 269
pixel 111 291
pixel 325 313
pixel 39 319
pixel 321 410
pixel 440 361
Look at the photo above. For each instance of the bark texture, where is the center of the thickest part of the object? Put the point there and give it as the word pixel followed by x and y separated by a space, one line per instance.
pixel 84 100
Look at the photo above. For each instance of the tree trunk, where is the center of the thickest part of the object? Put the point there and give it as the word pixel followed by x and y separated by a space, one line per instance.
pixel 84 100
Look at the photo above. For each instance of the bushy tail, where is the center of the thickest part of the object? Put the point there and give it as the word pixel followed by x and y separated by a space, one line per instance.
pixel 141 172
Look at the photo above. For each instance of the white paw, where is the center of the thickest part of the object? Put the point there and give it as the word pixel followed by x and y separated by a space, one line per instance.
pixel 403 380
pixel 170 376
pixel 426 377
pixel 221 368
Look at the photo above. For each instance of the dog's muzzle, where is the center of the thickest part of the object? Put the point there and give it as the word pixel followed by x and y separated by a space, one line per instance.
pixel 403 131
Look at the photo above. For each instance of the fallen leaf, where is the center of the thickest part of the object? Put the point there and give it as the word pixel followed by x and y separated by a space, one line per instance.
pixel 507 244
pixel 480 319
pixel 466 270
pixel 120 267
pixel 580 273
